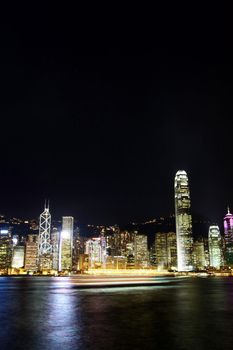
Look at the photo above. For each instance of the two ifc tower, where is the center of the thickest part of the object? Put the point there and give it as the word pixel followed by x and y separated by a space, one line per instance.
pixel 183 222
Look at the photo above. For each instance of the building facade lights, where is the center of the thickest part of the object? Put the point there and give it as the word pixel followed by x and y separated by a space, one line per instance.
pixel 183 222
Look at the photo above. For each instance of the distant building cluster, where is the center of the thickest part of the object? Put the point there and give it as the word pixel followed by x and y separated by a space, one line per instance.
pixel 61 249
pixel 45 251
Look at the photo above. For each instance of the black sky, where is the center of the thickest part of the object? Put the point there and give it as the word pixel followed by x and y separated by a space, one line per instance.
pixel 98 115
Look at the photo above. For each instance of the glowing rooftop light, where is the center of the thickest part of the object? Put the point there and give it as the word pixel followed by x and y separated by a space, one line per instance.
pixel 15 240
pixel 65 234
pixel 4 232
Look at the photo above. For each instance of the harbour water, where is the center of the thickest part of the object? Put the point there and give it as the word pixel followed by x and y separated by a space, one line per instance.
pixel 177 313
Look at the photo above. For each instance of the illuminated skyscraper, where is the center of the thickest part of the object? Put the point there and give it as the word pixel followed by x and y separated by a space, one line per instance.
pixel 215 247
pixel 18 257
pixel 228 236
pixel 121 239
pixel 166 250
pixel 161 250
pixel 66 244
pixel 31 253
pixel 141 252
pixel 96 252
pixel 44 232
pixel 183 222
pixel 171 251
pixel 55 247
pixel 5 250
pixel 44 246
pixel 199 255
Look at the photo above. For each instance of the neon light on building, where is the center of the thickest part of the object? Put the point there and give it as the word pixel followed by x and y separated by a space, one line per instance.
pixel 228 236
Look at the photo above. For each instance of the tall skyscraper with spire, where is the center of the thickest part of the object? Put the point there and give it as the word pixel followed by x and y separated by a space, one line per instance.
pixel 183 222
pixel 228 237
pixel 44 245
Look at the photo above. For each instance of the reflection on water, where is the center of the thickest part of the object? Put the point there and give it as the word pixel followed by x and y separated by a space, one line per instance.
pixel 47 313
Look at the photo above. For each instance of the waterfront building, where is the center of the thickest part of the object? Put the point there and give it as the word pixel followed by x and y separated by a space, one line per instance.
pixel 152 256
pixel 96 250
pixel 44 240
pixel 6 246
pixel 77 249
pixel 161 250
pixel 199 255
pixel 130 261
pixel 130 255
pixel 183 222
pixel 18 257
pixel 166 250
pixel 31 253
pixel 121 242
pixel 83 262
pixel 215 247
pixel 228 237
pixel 207 254
pixel 141 253
pixel 115 242
pixel 118 242
pixel 93 250
pixel 103 250
pixel 66 244
pixel 55 248
pixel 171 251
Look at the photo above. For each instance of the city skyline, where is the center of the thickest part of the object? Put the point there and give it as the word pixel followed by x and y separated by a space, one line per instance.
pixel 61 250
pixel 116 200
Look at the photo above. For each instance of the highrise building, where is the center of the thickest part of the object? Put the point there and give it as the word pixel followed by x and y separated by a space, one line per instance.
pixel 18 257
pixel 55 248
pixel 44 240
pixel 31 253
pixel 171 251
pixel 183 222
pixel 66 244
pixel 199 255
pixel 166 250
pixel 96 251
pixel 77 250
pixel 228 237
pixel 5 251
pixel 207 254
pixel 215 247
pixel 152 256
pixel 120 242
pixel 141 253
pixel 161 250
pixel 83 262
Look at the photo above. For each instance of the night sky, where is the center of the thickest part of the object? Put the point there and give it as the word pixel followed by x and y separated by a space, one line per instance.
pixel 98 115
